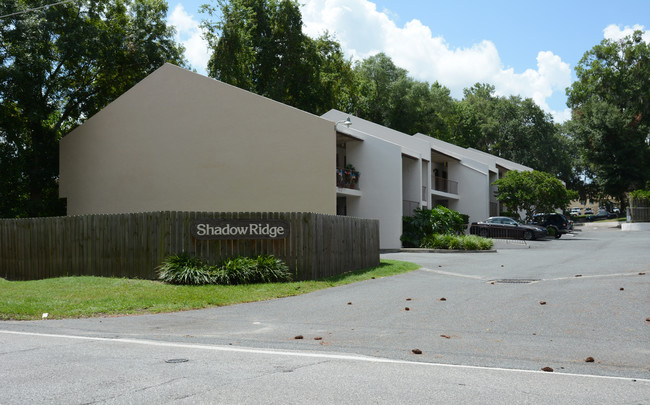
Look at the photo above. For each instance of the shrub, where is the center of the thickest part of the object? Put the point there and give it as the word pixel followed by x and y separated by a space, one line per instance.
pixel 237 270
pixel 483 243
pixel 244 270
pixel 183 269
pixel 472 242
pixel 425 222
pixel 456 242
pixel 271 269
pixel 639 198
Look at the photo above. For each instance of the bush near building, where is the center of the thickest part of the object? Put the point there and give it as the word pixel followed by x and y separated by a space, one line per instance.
pixel 187 270
pixel 440 228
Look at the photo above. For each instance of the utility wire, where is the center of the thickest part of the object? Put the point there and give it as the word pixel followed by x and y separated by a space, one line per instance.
pixel 34 9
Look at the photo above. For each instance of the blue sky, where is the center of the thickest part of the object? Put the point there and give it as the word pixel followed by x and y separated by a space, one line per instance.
pixel 522 47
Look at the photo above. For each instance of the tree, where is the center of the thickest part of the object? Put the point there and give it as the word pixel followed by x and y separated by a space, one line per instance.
pixel 512 128
pixel 477 123
pixel 611 114
pixel 59 66
pixel 389 97
pixel 533 192
pixel 259 46
pixel 377 77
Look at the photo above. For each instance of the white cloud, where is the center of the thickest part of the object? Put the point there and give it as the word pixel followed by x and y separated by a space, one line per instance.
pixel 190 35
pixel 615 32
pixel 363 31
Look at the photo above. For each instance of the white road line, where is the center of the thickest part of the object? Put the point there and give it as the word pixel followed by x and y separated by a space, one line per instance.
pixel 330 356
pixel 448 273
pixel 593 276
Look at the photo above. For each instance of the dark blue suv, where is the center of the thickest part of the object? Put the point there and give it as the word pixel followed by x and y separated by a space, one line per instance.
pixel 558 222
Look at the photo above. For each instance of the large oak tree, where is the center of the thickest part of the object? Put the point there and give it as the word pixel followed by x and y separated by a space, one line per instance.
pixel 259 46
pixel 611 114
pixel 59 65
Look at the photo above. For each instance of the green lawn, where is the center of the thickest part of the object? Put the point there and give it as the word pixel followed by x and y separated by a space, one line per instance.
pixel 78 297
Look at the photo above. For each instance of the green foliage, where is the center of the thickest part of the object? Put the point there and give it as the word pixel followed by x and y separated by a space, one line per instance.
pixel 611 114
pixel 512 128
pixel 639 198
pixel 243 270
pixel 387 96
pixel 185 270
pixel 533 192
pixel 424 222
pixel 59 66
pixel 456 242
pixel 259 46
pixel 270 269
pixel 74 297
pixel 640 194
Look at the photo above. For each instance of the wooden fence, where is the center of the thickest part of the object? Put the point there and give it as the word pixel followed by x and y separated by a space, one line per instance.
pixel 639 210
pixel 638 214
pixel 133 245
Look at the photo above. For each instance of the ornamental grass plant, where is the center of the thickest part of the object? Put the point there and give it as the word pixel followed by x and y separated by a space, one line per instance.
pixel 456 242
pixel 183 269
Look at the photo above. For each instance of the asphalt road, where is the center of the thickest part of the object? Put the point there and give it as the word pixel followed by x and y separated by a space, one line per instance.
pixel 485 323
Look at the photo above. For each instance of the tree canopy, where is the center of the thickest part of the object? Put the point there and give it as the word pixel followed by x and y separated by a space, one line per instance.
pixel 533 192
pixel 61 64
pixel 611 114
pixel 58 66
pixel 259 46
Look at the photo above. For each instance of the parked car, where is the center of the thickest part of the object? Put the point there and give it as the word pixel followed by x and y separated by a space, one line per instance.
pixel 589 211
pixel 576 211
pixel 600 215
pixel 505 227
pixel 558 222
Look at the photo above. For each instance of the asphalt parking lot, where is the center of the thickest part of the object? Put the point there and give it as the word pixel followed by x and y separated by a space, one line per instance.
pixel 484 325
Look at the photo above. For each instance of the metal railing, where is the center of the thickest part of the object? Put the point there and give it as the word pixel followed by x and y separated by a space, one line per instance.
pixel 445 185
pixel 346 178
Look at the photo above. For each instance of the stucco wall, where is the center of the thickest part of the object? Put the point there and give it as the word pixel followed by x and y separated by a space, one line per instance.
pixel 474 193
pixel 380 164
pixel 182 141
pixel 411 179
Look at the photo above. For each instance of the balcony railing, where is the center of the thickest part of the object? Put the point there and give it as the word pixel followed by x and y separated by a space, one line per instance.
pixel 346 178
pixel 445 185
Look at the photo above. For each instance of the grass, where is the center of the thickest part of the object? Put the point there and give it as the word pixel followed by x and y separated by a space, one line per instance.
pixel 80 297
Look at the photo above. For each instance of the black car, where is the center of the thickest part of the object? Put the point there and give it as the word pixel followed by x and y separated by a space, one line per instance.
pixel 505 227
pixel 601 214
pixel 558 222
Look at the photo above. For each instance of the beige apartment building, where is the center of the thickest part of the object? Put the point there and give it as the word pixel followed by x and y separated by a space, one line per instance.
pixel 185 142
pixel 180 141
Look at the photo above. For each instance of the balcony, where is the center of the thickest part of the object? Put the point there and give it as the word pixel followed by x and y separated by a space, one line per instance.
pixel 445 185
pixel 409 207
pixel 347 178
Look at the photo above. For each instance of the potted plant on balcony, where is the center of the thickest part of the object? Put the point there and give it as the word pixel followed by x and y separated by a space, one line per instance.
pixel 351 176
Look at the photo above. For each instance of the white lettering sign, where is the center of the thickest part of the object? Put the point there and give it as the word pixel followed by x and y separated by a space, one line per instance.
pixel 239 229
